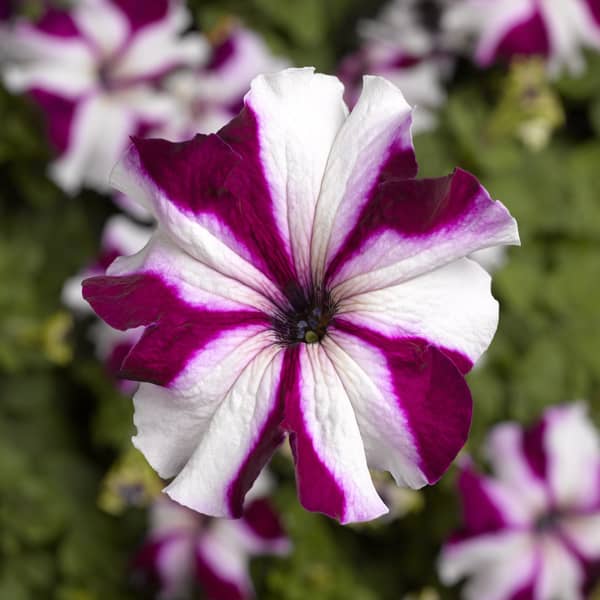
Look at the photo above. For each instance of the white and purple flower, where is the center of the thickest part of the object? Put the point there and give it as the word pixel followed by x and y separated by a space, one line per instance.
pixel 301 281
pixel 532 529
pixel 94 70
pixel 185 550
pixel 554 29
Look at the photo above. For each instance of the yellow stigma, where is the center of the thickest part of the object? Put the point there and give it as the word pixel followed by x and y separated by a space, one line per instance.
pixel 310 337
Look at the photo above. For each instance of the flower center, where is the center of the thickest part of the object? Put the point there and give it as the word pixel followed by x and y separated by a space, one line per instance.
pixel 306 319
pixel 429 13
pixel 547 521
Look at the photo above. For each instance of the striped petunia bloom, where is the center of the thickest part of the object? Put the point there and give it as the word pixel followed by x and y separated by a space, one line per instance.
pixel 185 550
pixel 301 281
pixel 93 70
pixel 554 29
pixel 532 529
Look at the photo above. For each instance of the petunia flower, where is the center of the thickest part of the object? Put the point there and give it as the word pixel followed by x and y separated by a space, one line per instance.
pixel 186 550
pixel 120 236
pixel 301 281
pixel 94 70
pixel 532 529
pixel 554 29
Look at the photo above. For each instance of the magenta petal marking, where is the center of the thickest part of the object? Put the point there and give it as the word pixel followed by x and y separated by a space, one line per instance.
pixel 213 584
pixel 146 563
pixel 140 13
pixel 175 330
pixel 317 488
pixel 269 439
pixel 116 357
pixel 594 8
pixel 533 448
pixel 262 519
pixel 59 114
pixel 221 175
pixel 411 207
pixel 58 23
pixel 527 38
pixel 431 392
pixel 480 513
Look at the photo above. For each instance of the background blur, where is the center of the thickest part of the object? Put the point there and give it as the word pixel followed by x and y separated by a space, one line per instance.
pixel 68 532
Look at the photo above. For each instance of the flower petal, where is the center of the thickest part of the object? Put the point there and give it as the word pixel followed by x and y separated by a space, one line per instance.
pixel 374 143
pixel 102 25
pixel 141 14
pixel 412 405
pixel 331 468
pixel 503 566
pixel 158 48
pixel 238 440
pixel 222 569
pixel 508 453
pixel 488 506
pixel 92 153
pixel 561 575
pixel 264 529
pixel 583 532
pixel 166 561
pixel 409 227
pixel 571 455
pixel 451 307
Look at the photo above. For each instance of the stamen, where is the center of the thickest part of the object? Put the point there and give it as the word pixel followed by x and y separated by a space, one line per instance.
pixel 306 318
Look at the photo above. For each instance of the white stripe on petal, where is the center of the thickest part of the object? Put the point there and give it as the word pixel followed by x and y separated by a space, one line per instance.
pixel 299 115
pixel 452 307
pixel 230 435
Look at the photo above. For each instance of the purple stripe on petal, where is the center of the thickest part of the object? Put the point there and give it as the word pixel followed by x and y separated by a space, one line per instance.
pixel 117 355
pixel 58 23
pixel 317 488
pixel 59 114
pixel 525 592
pixel 221 174
pixel 175 330
pixel 480 513
pixel 145 564
pixel 527 38
pixel 594 8
pixel 411 207
pixel 431 392
pixel 222 53
pixel 214 586
pixel 269 439
pixel 140 13
pixel 533 449
pixel 262 519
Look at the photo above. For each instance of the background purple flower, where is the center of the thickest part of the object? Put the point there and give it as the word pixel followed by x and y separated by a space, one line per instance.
pixel 532 528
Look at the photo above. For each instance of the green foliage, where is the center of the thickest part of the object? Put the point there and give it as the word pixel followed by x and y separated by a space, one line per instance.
pixel 62 424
